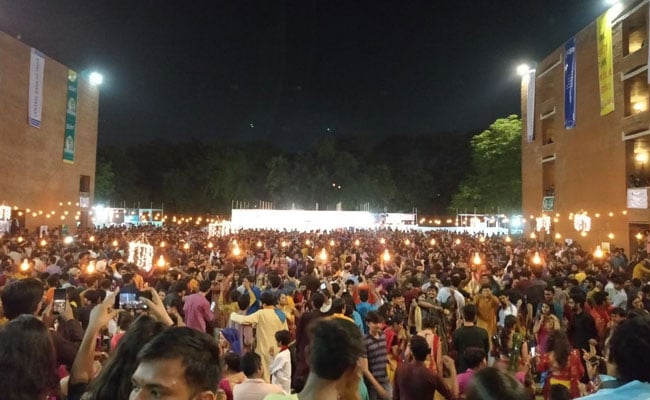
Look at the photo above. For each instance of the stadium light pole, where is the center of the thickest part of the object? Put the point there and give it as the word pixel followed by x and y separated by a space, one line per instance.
pixel 96 78
pixel 523 69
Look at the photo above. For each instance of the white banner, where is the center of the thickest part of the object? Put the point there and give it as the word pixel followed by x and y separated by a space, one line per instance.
pixel 637 198
pixel 36 68
pixel 530 107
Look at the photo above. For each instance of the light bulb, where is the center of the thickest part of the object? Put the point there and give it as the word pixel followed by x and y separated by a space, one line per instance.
pixel 476 259
pixel 599 252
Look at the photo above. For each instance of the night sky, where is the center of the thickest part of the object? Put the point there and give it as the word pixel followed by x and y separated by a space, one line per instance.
pixel 292 71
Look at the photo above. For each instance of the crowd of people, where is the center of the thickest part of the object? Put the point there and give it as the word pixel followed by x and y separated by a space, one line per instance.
pixel 370 314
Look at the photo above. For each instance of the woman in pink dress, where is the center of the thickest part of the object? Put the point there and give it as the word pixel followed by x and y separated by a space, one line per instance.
pixel 545 323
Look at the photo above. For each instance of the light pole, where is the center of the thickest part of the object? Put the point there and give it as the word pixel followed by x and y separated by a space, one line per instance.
pixel 523 69
pixel 95 78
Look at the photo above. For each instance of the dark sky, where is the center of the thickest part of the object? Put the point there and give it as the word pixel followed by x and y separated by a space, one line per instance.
pixel 291 71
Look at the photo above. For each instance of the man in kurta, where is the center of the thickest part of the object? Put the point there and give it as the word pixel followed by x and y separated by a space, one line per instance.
pixel 487 306
pixel 269 320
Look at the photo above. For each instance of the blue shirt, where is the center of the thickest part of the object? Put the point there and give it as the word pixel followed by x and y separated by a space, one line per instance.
pixel 362 309
pixel 634 390
pixel 358 321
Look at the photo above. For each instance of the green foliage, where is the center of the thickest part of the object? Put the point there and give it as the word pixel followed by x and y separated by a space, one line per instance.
pixel 104 181
pixel 398 173
pixel 495 182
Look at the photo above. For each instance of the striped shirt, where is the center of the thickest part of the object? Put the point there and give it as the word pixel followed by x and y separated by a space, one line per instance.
pixel 376 352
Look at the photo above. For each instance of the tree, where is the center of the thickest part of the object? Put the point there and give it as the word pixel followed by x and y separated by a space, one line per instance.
pixel 495 183
pixel 104 181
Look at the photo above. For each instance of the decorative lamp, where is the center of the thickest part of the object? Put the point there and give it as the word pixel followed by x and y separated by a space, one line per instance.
pixel 141 253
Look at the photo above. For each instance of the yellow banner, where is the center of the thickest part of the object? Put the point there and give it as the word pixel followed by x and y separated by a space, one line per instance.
pixel 605 64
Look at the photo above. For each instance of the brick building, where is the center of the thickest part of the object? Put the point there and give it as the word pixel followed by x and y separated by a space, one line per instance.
pixel 35 181
pixel 591 181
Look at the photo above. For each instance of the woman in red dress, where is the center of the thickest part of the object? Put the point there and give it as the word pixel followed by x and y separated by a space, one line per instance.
pixel 562 363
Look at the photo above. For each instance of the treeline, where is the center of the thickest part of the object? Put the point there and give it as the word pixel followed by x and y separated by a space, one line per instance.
pixel 396 173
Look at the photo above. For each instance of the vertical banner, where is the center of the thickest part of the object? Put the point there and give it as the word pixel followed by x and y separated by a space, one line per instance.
pixel 36 68
pixel 570 84
pixel 70 119
pixel 530 106
pixel 605 64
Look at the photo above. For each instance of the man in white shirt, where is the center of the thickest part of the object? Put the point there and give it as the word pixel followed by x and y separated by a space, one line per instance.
pixel 280 364
pixel 254 387
pixel 616 292
pixel 507 308
pixel 449 289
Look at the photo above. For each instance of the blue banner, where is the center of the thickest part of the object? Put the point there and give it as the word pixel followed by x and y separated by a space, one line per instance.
pixel 570 84
pixel 70 119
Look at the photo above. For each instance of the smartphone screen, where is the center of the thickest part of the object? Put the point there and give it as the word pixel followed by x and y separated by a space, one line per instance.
pixel 212 306
pixel 58 305
pixel 323 286
pixel 532 351
pixel 129 301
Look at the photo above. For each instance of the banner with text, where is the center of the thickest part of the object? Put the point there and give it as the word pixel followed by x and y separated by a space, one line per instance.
pixel 70 119
pixel 605 64
pixel 570 84
pixel 36 68
pixel 530 106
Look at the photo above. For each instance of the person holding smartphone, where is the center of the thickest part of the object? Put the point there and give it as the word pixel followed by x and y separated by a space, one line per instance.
pixel 26 297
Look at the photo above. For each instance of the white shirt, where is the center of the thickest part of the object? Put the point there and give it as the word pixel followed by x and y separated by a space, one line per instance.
pixel 619 299
pixel 444 294
pixel 504 312
pixel 254 389
pixel 281 370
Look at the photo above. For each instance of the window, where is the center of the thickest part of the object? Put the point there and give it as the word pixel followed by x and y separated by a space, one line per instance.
pixel 636 94
pixel 548 172
pixel 84 184
pixel 637 156
pixel 635 32
pixel 548 127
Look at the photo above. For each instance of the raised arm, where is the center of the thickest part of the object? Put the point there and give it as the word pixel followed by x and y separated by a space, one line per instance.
pixel 82 368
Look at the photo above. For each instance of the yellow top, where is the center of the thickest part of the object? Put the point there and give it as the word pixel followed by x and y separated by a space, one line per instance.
pixel 268 322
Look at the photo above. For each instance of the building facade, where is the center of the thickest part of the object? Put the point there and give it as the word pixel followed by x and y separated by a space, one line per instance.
pixel 588 180
pixel 48 136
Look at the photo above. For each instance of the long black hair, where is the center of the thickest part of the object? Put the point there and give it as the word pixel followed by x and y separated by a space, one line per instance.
pixel 114 381
pixel 28 368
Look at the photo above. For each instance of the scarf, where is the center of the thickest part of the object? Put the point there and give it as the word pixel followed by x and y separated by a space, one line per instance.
pixel 280 314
